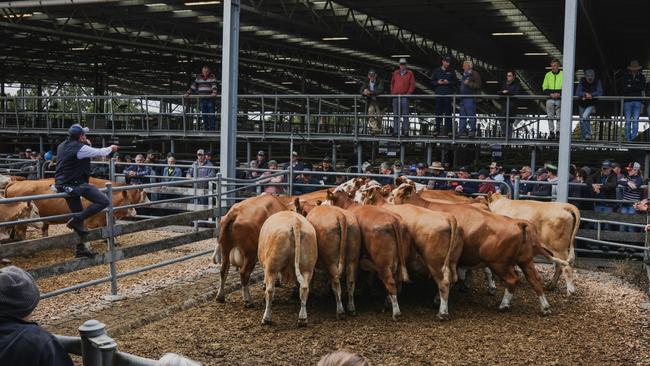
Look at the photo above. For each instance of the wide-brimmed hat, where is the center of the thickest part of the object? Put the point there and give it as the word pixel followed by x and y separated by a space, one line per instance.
pixel 634 66
pixel 494 165
pixel 436 165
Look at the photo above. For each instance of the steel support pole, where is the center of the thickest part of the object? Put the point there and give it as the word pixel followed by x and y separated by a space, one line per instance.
pixel 533 159
pixel 229 74
pixel 248 152
pixel 646 165
pixel 402 152
pixel 333 153
pixel 429 154
pixel 564 158
pixel 41 145
pixel 172 146
pixel 359 157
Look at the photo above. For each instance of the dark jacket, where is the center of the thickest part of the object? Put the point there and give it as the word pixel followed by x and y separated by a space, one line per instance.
pixel 328 179
pixel 542 190
pixel 608 189
pixel 525 186
pixel 595 88
pixel 69 169
pixel 633 85
pixel 25 343
pixel 171 171
pixel 140 172
pixel 379 88
pixel 438 184
pixel 303 189
pixel 469 187
pixel 474 82
pixel 441 74
pixel 510 89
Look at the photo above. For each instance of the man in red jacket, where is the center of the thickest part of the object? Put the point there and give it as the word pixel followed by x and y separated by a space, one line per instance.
pixel 402 83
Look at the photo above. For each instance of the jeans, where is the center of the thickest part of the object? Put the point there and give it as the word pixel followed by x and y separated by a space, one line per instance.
pixel 401 108
pixel 585 123
pixel 443 112
pixel 627 210
pixel 632 110
pixel 553 113
pixel 89 192
pixel 603 208
pixel 207 112
pixel 467 116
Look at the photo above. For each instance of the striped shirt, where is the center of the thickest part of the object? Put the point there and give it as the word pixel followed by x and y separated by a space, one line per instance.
pixel 629 193
pixel 203 85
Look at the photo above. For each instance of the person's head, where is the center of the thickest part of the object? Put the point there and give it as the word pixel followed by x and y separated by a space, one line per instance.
pixel 542 174
pixel 467 65
pixel 555 65
pixel 464 173
pixel 208 155
pixel 525 172
pixel 76 132
pixel 590 75
pixel 306 176
pixel 616 168
pixel 446 61
pixel 205 71
pixel 634 67
pixel 494 168
pixel 582 175
pixel 397 167
pixel 633 169
pixel 200 155
pixel 171 160
pixel 139 159
pixel 510 76
pixel 606 167
pixel 294 156
pixel 128 158
pixel 402 63
pixel 437 168
pixel 261 155
pixel 514 173
pixel 483 173
pixel 384 168
pixel 421 170
pixel 273 164
pixel 552 170
pixel 19 294
pixel 343 358
pixel 172 359
pixel 253 164
pixel 372 75
pixel 327 163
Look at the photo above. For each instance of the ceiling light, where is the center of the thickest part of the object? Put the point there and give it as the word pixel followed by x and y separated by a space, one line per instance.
pixel 536 54
pixel 399 56
pixel 522 108
pixel 348 69
pixel 182 11
pixel 24 15
pixel 491 82
pixel 286 82
pixel 112 85
pixel 198 3
pixel 334 38
pixel 319 2
pixel 350 82
pixel 156 4
pixel 508 34
pixel 77 48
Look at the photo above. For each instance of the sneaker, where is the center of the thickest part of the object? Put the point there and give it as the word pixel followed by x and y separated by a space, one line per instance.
pixel 77 226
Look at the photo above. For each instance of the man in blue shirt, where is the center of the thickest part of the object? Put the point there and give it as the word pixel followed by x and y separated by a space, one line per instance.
pixel 443 80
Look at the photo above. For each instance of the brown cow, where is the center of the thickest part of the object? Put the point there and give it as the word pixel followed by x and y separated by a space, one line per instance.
pixel 16 211
pixel 385 239
pixel 435 237
pixel 434 194
pixel 238 239
pixel 492 240
pixel 287 246
pixel 557 225
pixel 58 206
pixel 339 245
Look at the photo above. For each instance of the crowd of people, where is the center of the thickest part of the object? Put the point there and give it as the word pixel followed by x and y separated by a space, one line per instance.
pixel 446 81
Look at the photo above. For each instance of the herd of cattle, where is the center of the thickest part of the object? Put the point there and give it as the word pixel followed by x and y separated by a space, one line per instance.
pixel 18 187
pixel 394 230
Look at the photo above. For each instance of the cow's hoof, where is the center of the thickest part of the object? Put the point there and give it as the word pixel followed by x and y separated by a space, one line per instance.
pixel 442 317
pixel 221 298
pixel 492 291
pixel 397 316
pixel 504 308
pixel 266 321
pixel 249 304
pixel 340 316
pixel 302 322
pixel 547 311
pixel 570 291
pixel 550 287
pixel 352 312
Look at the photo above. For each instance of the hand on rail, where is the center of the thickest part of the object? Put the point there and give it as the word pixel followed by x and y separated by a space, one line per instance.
pixel 114 148
pixel 647 228
pixel 641 206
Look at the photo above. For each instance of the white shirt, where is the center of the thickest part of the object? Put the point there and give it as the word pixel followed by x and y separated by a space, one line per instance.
pixel 91 152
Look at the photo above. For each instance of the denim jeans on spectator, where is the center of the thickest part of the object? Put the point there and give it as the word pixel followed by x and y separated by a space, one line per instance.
pixel 585 123
pixel 627 209
pixel 632 111
pixel 467 116
pixel 443 112
pixel 603 208
pixel 207 112
pixel 401 107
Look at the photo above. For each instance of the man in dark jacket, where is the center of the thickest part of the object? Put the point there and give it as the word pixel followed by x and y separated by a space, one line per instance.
pixel 633 85
pixel 469 85
pixel 466 187
pixel 370 89
pixel 444 79
pixel 603 185
pixel 23 342
pixel 137 174
pixel 509 88
pixel 589 87
pixel 542 190
pixel 526 176
pixel 327 167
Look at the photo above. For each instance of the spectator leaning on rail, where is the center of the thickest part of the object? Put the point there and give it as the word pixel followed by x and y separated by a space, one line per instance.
pixel 603 184
pixel 633 85
pixel 541 190
pixel 327 167
pixel 552 86
pixel 632 191
pixel 486 187
pixel 384 169
pixel 496 175
pixel 296 164
pixel 137 174
pixel 402 83
pixel 589 87
pixel 170 170
pixel 272 188
pixel 466 187
pixel 370 89
pixel 444 81
pixel 71 176
pixel 23 342
pixel 510 87
pixel 205 85
pixel 470 84
pixel 421 171
pixel 437 170
pixel 552 178
pixel 204 167
pixel 526 176
pixel 305 178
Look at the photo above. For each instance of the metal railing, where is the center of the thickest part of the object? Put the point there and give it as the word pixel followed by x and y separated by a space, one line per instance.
pixel 274 115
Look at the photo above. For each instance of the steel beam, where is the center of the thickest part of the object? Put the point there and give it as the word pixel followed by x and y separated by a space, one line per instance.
pixel 229 75
pixel 564 158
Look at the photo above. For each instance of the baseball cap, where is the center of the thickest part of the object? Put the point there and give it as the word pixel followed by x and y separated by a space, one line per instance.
pixel 261 153
pixel 634 165
pixel 463 169
pixel 76 129
pixel 514 171
pixel 28 150
pixel 589 73
pixel 294 153
pixel 494 165
pixel 200 152
pixel 327 159
pixel 551 168
pixel 542 171
pixel 606 164
pixel 446 58
pixel 397 163
pixel 483 172
pixel 421 166
pixel 208 153
pixel 402 61
pixel 372 71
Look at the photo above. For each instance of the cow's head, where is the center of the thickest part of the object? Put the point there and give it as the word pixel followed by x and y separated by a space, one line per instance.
pixel 493 197
pixel 339 199
pixel 363 192
pixel 305 207
pixel 403 193
pixel 403 180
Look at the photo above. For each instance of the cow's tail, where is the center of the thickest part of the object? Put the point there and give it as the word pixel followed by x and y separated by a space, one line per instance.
pixel 530 237
pixel 576 225
pixel 297 228
pixel 401 241
pixel 343 227
pixel 447 269
pixel 224 233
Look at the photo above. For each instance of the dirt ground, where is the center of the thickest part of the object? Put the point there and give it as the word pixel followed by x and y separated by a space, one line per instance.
pixel 603 324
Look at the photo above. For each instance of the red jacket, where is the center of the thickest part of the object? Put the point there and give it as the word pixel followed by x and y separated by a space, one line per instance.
pixel 402 84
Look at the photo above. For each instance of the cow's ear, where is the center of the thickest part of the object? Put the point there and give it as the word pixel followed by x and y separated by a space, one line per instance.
pixel 125 194
pixel 318 202
pixel 330 196
pixel 489 196
pixel 296 202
